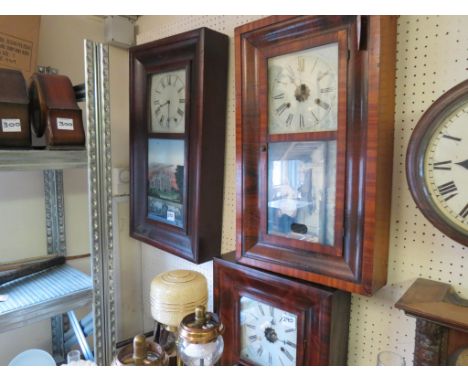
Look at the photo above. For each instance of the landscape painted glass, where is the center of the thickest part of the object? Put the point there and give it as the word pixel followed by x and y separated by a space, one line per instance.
pixel 301 190
pixel 166 181
pixel 303 90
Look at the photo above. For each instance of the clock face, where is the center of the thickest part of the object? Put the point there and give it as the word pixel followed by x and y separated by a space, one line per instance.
pixel 303 87
pixel 446 167
pixel 167 99
pixel 268 334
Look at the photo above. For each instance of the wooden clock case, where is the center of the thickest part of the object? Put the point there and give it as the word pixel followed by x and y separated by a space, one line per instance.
pixel 357 262
pixel 205 53
pixel 323 313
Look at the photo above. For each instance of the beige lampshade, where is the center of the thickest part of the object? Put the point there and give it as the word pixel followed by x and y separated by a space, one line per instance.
pixel 175 294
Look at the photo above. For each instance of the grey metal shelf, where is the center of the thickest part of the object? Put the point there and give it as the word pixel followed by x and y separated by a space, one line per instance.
pixel 44 295
pixel 29 160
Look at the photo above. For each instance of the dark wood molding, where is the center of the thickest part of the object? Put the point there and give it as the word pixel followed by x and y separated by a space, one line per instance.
pixel 205 53
pixel 357 262
pixel 322 313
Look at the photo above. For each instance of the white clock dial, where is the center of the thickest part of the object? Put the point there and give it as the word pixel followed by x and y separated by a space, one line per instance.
pixel 303 88
pixel 446 167
pixel 168 102
pixel 268 334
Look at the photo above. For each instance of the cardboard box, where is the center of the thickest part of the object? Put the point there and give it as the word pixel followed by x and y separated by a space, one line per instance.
pixel 19 40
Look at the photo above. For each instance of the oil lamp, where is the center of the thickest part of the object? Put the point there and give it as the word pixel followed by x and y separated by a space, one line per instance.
pixel 200 341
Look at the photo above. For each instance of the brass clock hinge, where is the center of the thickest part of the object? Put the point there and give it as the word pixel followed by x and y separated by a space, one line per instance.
pixel 362 22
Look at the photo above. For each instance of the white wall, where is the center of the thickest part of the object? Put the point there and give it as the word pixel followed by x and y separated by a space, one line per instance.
pixel 431 59
pixel 22 225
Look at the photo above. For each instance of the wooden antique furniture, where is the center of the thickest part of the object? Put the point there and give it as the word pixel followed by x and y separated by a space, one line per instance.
pixel 441 323
pixel 178 90
pixel 315 102
pixel 275 320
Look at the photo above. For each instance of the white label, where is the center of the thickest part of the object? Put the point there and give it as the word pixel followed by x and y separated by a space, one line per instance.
pixel 171 216
pixel 64 123
pixel 11 125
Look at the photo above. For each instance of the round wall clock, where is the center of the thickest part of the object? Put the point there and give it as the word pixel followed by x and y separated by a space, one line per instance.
pixel 437 163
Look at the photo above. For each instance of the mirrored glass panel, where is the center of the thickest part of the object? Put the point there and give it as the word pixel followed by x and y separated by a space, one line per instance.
pixel 301 190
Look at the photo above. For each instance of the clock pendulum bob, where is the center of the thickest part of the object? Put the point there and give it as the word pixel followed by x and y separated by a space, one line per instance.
pixel 174 295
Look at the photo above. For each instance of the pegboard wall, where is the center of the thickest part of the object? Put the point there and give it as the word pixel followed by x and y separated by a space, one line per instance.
pixel 432 56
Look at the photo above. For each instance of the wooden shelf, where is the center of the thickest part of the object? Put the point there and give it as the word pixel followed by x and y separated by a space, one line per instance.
pixel 31 160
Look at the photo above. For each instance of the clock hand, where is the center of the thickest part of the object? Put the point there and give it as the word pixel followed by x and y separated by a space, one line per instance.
pixel 464 164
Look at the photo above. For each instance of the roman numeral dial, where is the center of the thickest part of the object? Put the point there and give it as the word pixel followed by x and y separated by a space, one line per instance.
pixel 303 90
pixel 167 102
pixel 446 168
pixel 268 333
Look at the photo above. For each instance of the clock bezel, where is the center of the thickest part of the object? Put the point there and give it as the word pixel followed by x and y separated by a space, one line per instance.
pixel 415 155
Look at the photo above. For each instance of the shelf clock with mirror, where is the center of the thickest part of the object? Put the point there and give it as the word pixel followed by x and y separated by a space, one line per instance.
pixel 315 98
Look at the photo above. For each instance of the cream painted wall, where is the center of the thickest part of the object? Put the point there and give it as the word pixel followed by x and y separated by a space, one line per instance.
pixel 431 58
pixel 22 223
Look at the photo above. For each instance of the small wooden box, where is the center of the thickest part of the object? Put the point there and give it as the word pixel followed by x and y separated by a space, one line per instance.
pixel 14 118
pixel 56 119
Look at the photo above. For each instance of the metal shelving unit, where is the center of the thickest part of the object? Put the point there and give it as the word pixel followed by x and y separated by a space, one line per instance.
pixel 32 160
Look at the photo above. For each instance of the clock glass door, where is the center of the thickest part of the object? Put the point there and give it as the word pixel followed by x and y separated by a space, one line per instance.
pixel 167 148
pixel 303 129
pixel 268 335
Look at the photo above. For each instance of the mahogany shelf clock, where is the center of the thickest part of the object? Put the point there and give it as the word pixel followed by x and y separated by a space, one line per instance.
pixel 272 320
pixel 437 163
pixel 315 102
pixel 178 89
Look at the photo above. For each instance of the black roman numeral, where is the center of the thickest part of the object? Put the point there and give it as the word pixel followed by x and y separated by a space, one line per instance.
pixel 260 308
pixel 169 80
pixel 282 108
pixel 441 165
pixel 326 90
pixel 260 351
pixel 301 121
pixel 181 100
pixel 451 137
pixel 180 112
pixel 289 119
pixel 292 344
pixel 464 212
pixel 287 354
pixel 449 189
pixel 322 104
pixel 156 111
pixel 322 75
pixel 279 96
